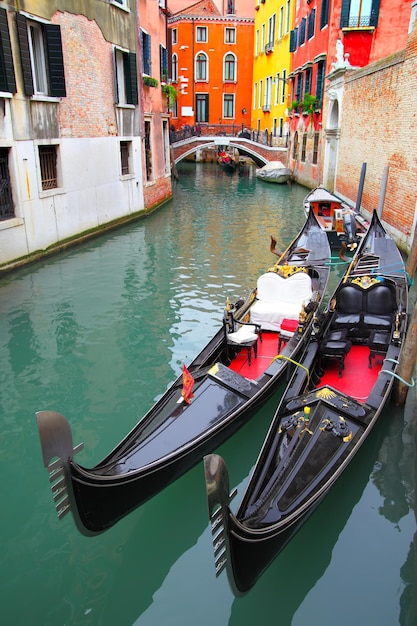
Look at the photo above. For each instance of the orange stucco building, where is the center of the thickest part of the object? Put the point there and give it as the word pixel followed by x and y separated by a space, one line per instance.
pixel 211 64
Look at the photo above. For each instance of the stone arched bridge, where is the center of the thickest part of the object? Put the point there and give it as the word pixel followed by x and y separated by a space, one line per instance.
pixel 259 153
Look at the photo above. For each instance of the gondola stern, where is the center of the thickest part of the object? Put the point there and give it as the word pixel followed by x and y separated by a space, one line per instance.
pixel 58 452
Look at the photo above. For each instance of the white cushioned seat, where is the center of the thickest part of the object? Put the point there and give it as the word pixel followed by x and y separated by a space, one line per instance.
pixel 279 298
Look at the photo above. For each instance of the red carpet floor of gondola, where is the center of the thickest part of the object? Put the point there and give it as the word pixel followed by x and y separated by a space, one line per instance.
pixel 357 378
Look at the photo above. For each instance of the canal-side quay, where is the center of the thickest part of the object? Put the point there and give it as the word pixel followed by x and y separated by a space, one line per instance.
pixel 97 332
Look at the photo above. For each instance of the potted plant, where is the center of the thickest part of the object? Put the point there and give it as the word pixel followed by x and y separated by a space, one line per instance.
pixel 149 81
pixel 171 93
pixel 309 104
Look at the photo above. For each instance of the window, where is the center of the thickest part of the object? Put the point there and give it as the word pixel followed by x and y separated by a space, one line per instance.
pixel 260 95
pixel 359 13
pixel 281 22
pixel 201 66
pixel 163 63
pixel 228 105
pixel 255 90
pixel 281 126
pixel 299 88
pixel 302 32
pixel 174 35
pixel 287 26
pixel 303 147
pixel 146 53
pixel 7 76
pixel 277 88
pixel 293 40
pixel 125 151
pixel 174 68
pixel 263 38
pixel 48 167
pixel 283 86
pixel 257 43
pixel 316 148
pixel 230 7
pixel 307 83
pixel 320 81
pixel 201 106
pixel 229 69
pixel 148 151
pixel 201 34
pixel 6 200
pixel 230 35
pixel 271 30
pixel 324 14
pixel 268 93
pixel 311 24
pixel 41 56
pixel 126 77
pixel 165 139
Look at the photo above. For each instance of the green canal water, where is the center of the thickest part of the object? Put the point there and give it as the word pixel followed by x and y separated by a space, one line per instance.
pixel 97 333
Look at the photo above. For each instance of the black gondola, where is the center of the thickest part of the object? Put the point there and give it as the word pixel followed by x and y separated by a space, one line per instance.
pixel 237 371
pixel 329 408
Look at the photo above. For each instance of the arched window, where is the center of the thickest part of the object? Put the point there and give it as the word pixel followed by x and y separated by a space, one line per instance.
pixel 201 66
pixel 229 68
pixel 174 68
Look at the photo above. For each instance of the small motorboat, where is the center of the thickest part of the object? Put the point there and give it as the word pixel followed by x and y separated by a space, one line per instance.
pixel 332 403
pixel 274 172
pixel 235 373
pixel 344 226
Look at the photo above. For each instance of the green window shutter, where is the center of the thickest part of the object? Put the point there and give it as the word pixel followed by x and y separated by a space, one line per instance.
pixel 324 14
pixel 344 15
pixel 374 13
pixel 22 33
pixel 55 60
pixel 131 78
pixel 7 76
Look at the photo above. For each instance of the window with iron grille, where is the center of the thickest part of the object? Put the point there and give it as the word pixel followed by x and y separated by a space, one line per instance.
pixel 125 157
pixel 48 165
pixel 303 147
pixel 295 147
pixel 359 14
pixel 6 199
pixel 316 148
pixel 148 151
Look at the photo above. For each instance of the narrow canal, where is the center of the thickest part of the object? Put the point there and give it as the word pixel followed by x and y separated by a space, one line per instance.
pixel 97 333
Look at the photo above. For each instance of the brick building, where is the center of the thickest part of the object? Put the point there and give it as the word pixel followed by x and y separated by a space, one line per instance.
pixel 379 96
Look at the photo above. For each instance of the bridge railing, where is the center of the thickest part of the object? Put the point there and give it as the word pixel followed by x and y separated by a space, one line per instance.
pixel 264 137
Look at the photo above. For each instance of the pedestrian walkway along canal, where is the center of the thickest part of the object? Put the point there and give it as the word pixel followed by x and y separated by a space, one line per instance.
pixel 97 333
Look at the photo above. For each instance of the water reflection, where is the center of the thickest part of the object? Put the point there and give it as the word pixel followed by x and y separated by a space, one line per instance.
pixel 97 333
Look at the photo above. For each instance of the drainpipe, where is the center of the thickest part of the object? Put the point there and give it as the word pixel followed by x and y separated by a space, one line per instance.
pixel 360 188
pixel 383 190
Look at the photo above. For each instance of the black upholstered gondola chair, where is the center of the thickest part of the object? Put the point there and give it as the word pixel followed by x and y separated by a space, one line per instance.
pixel 336 345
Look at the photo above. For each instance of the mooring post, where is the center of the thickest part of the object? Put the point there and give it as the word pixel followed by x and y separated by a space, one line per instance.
pixel 407 362
pixel 360 188
pixel 382 192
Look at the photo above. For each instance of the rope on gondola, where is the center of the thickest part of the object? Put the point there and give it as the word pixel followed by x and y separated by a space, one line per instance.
pixel 410 384
pixel 287 358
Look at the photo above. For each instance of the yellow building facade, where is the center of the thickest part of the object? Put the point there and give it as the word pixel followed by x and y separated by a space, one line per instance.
pixel 271 68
